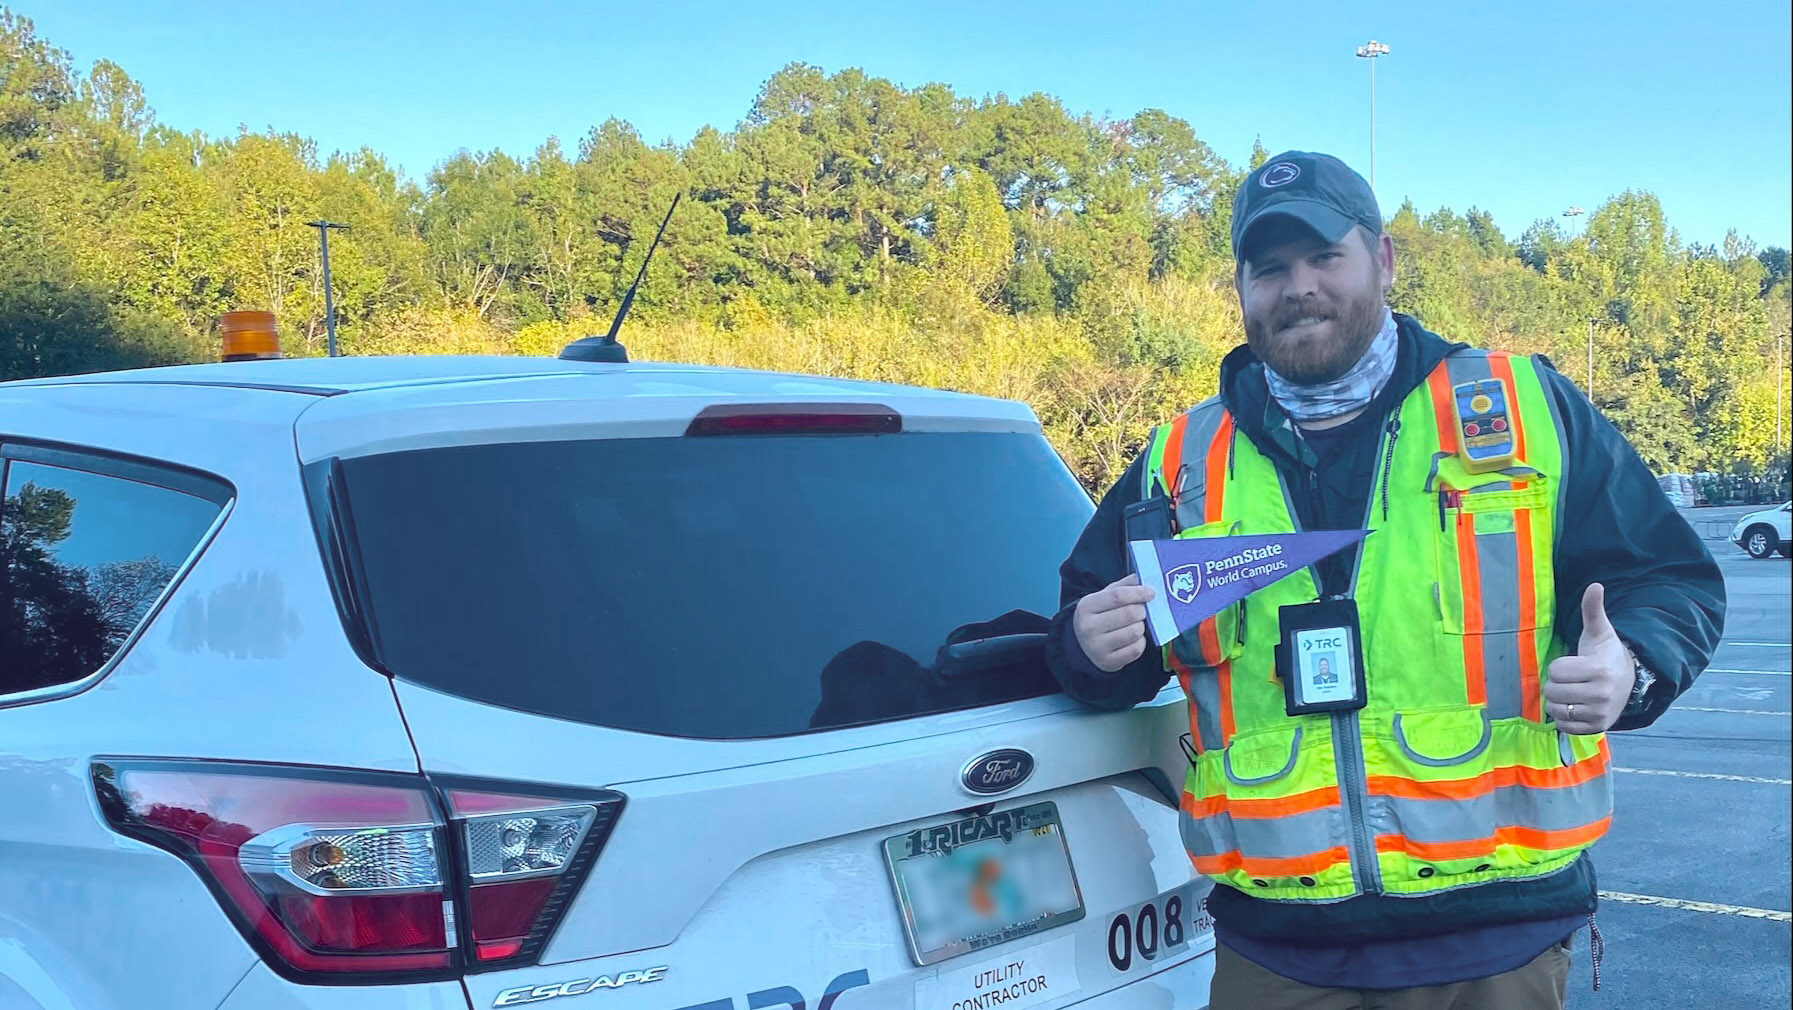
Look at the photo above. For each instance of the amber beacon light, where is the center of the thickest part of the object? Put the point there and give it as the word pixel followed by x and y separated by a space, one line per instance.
pixel 248 335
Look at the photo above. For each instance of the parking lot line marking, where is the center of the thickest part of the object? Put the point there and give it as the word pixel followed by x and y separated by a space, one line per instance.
pixel 1705 775
pixel 1730 711
pixel 1759 673
pixel 1698 906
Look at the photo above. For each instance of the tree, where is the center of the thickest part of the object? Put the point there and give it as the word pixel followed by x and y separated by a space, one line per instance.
pixel 972 243
pixel 870 228
pixel 474 225
pixel 52 630
pixel 122 592
pixel 1775 267
pixel 1539 243
pixel 37 86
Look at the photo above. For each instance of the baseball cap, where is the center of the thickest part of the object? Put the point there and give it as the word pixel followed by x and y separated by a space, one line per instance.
pixel 1318 190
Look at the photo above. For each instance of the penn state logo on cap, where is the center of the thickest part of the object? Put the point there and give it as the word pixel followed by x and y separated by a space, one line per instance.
pixel 1280 174
pixel 1183 582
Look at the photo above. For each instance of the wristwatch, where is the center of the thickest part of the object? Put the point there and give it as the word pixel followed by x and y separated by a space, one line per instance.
pixel 1642 686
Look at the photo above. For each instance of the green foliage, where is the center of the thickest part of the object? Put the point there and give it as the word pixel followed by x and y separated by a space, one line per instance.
pixel 973 246
pixel 847 225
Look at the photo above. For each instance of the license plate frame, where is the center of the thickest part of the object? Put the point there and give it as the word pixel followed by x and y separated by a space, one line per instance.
pixel 1037 825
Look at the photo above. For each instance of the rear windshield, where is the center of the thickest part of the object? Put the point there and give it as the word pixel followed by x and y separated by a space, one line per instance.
pixel 720 587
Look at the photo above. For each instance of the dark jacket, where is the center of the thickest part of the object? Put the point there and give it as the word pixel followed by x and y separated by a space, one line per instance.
pixel 1664 594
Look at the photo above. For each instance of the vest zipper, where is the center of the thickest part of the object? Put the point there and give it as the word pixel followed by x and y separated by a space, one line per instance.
pixel 1350 762
pixel 1347 742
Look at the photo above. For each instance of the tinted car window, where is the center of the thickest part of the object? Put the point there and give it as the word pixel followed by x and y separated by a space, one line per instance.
pixel 728 587
pixel 84 556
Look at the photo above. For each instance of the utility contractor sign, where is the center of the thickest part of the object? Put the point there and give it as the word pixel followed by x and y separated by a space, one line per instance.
pixel 1196 578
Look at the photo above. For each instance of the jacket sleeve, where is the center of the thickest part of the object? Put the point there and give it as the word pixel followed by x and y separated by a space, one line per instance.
pixel 1664 593
pixel 1098 559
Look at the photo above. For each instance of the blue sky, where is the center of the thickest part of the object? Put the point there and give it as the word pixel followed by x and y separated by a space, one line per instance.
pixel 1522 108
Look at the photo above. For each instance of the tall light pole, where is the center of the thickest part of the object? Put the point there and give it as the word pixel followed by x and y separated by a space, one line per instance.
pixel 1371 50
pixel 1590 357
pixel 1574 211
pixel 1778 354
pixel 323 228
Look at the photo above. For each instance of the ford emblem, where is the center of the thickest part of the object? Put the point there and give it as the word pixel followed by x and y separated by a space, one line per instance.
pixel 997 772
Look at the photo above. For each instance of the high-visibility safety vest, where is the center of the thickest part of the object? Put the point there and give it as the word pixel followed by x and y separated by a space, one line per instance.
pixel 1450 775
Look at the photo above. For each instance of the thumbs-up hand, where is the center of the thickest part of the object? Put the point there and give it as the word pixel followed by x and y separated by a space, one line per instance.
pixel 1586 692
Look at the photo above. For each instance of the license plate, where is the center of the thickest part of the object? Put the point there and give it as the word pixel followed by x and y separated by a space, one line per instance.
pixel 971 883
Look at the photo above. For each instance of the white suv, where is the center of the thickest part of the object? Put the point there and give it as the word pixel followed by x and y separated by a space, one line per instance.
pixel 467 683
pixel 1763 533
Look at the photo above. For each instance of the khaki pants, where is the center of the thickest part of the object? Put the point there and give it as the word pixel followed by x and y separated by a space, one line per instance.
pixel 1240 984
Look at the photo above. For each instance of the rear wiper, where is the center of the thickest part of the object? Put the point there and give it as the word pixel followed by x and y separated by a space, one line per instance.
pixel 981 655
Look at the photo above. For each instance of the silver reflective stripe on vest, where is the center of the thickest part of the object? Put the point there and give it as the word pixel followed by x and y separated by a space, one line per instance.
pixel 1564 808
pixel 1497 563
pixel 1286 837
pixel 1204 693
pixel 1186 478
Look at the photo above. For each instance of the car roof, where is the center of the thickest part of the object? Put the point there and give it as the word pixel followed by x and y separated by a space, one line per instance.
pixel 353 405
pixel 345 375
pixel 335 376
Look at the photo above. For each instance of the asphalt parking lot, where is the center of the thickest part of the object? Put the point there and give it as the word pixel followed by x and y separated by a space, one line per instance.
pixel 1694 875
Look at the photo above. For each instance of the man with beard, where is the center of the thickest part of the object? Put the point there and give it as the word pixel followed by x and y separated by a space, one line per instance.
pixel 1525 587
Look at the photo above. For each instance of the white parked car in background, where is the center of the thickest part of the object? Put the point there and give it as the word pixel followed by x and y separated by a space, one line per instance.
pixel 1765 532
pixel 467 683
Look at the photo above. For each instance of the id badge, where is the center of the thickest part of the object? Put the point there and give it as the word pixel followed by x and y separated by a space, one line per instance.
pixel 1320 657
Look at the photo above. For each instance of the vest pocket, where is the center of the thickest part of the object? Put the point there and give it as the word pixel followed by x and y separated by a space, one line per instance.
pixel 1433 805
pixel 1458 798
pixel 1493 556
pixel 1443 739
pixel 1264 814
pixel 1495 592
pixel 1262 759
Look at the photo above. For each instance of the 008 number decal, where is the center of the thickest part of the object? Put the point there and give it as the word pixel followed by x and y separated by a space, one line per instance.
pixel 1155 928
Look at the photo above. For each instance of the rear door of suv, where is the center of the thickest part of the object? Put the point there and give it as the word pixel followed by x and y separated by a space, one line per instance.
pixel 744 706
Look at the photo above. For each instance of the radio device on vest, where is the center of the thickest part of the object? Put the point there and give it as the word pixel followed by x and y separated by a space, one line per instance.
pixel 1484 425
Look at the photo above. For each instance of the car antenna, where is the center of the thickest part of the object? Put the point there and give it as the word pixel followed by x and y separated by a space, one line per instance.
pixel 606 348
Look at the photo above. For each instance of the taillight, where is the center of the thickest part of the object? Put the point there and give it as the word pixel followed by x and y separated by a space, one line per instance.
pixel 343 876
pixel 795 419
pixel 523 857
pixel 327 873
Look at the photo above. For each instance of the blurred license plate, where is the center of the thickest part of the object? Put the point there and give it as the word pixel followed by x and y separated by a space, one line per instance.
pixel 967 884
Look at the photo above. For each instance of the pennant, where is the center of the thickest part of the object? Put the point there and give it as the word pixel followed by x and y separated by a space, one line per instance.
pixel 1198 577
